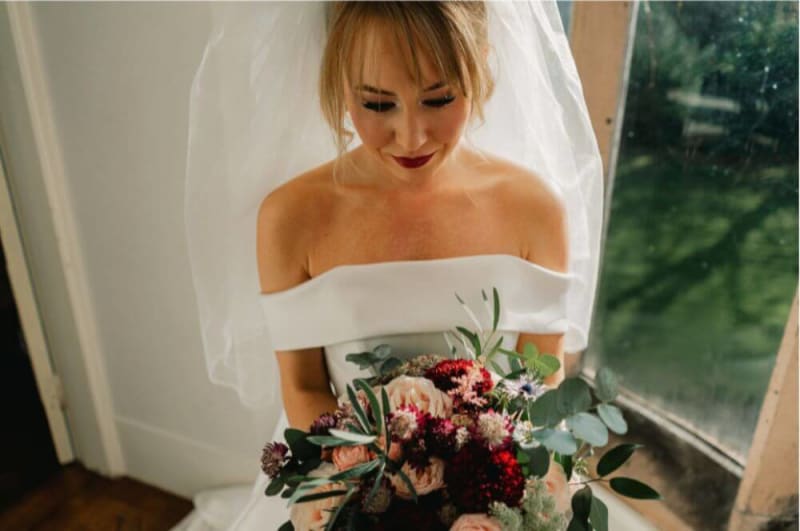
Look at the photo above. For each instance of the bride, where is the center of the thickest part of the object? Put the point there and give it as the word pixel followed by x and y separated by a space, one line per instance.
pixel 462 159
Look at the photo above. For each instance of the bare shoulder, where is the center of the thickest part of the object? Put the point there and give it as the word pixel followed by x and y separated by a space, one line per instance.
pixel 537 211
pixel 287 220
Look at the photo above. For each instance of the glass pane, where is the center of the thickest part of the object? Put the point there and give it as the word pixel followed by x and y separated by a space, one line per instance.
pixel 700 262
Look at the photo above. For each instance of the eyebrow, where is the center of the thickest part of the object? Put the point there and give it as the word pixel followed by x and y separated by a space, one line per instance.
pixel 373 90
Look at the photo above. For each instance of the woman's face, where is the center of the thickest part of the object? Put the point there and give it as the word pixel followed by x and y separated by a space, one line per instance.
pixel 410 129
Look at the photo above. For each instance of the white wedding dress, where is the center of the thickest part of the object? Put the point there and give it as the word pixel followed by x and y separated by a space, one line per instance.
pixel 406 304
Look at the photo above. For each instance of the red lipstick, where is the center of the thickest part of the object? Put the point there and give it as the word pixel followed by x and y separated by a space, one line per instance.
pixel 413 162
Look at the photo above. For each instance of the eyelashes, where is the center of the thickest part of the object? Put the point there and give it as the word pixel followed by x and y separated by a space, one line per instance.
pixel 384 106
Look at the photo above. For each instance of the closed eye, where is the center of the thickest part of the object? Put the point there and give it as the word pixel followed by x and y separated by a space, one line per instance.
pixel 440 102
pixel 378 106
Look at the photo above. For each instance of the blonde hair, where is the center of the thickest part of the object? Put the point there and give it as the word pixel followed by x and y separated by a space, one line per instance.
pixel 453 33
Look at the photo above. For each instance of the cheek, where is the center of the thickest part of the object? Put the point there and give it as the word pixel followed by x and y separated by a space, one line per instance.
pixel 372 128
pixel 450 123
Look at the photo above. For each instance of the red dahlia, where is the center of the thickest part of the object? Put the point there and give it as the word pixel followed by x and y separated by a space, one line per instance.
pixel 443 374
pixel 480 476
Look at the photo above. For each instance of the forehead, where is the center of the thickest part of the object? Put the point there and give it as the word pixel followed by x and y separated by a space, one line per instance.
pixel 382 56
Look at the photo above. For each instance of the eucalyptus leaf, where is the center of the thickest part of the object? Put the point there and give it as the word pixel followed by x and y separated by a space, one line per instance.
pixel 615 458
pixel 589 428
pixel 530 353
pixel 566 463
pixel 556 440
pixel 598 516
pixel 632 488
pixel 613 418
pixel 545 411
pixel 576 524
pixel 389 365
pixel 287 526
pixel 382 351
pixel 573 396
pixel 364 360
pixel 606 385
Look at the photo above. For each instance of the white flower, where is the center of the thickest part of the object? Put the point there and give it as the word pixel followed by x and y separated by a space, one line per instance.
pixel 528 388
pixel 494 428
pixel 418 392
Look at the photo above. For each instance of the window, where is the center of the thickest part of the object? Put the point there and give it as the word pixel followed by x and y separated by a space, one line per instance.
pixel 700 262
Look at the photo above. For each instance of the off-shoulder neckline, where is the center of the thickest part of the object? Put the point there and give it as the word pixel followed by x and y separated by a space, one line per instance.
pixel 417 263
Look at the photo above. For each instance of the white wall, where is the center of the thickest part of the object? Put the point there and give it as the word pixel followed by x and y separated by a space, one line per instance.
pixel 119 77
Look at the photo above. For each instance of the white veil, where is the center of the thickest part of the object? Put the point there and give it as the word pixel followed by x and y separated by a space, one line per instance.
pixel 255 123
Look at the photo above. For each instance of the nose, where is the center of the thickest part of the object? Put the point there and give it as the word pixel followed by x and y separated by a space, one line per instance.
pixel 410 133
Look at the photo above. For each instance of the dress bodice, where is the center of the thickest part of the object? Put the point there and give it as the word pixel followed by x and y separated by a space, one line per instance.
pixel 410 304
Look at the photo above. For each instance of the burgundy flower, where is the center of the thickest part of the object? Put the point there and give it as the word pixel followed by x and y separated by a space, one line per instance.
pixel 273 457
pixel 481 476
pixel 449 375
pixel 323 424
pixel 441 437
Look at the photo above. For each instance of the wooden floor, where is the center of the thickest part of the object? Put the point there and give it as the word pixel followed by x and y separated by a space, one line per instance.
pixel 75 499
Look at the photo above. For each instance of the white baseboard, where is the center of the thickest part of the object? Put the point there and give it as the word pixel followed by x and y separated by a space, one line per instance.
pixel 178 464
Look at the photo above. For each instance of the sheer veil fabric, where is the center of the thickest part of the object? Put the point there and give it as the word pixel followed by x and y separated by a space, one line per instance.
pixel 254 123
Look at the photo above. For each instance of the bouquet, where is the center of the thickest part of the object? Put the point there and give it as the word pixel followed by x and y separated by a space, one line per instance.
pixel 440 443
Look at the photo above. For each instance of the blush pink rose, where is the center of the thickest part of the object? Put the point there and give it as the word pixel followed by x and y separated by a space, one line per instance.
pixel 314 515
pixel 475 522
pixel 421 393
pixel 345 457
pixel 426 481
pixel 558 487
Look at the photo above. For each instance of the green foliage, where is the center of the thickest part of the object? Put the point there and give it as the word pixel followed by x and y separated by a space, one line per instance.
pixel 633 489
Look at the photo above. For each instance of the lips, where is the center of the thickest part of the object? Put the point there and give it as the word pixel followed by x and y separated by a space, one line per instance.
pixel 415 162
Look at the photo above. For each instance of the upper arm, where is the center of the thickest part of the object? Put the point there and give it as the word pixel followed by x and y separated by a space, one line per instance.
pixel 542 222
pixel 281 244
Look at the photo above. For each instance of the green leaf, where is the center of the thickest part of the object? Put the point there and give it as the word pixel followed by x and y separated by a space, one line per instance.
pixel 473 338
pixel 598 516
pixel 606 385
pixel 632 488
pixel 408 483
pixel 298 443
pixel 582 503
pixel 357 471
pixel 497 369
pixel 530 353
pixel 539 460
pixel 359 411
pixel 546 365
pixel 373 403
pixel 389 365
pixel 320 496
pixel 496 305
pixel 387 408
pixel 376 485
pixel 566 463
pixel 573 396
pixel 352 437
pixel 589 428
pixel 364 360
pixel 274 487
pixel 516 366
pixel 287 526
pixel 615 458
pixel 577 525
pixel 382 351
pixel 331 442
pixel 545 411
pixel 556 440
pixel 613 418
